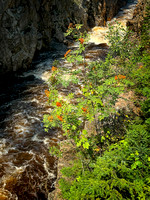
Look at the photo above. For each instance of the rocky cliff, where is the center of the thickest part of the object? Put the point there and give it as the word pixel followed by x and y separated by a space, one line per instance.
pixel 136 23
pixel 28 25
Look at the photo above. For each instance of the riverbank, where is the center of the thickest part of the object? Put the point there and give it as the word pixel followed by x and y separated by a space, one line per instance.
pixel 97 37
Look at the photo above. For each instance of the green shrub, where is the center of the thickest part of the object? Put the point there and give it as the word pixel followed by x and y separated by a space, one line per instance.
pixel 106 169
pixel 121 173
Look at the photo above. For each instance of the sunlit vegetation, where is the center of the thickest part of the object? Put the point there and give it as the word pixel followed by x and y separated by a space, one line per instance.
pixel 112 163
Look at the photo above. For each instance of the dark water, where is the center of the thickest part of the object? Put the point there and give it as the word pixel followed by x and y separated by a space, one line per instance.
pixel 27 171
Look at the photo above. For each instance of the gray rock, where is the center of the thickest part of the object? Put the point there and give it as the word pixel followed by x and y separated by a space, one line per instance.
pixel 28 25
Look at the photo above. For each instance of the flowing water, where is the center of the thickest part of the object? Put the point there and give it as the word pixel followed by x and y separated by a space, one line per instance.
pixel 27 171
pixel 98 33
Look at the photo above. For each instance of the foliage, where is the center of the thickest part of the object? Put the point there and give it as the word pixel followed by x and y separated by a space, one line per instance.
pixel 121 173
pixel 119 42
pixel 99 85
pixel 145 35
pixel 109 166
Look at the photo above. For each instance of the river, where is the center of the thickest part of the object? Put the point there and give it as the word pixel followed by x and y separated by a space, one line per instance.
pixel 27 170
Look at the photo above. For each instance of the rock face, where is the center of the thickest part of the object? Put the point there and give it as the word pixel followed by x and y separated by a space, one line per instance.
pixel 28 25
pixel 135 24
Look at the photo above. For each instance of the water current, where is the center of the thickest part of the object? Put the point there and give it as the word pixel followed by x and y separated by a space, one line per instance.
pixel 27 170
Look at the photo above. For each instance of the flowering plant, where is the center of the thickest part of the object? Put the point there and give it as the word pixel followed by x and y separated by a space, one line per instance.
pixel 97 90
pixel 122 172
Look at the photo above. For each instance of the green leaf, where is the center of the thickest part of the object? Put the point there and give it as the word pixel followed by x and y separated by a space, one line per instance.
pixel 84 132
pixel 102 139
pixel 86 145
pixel 74 127
pixel 79 143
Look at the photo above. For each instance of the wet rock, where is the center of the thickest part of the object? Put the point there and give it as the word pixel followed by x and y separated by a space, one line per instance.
pixel 95 46
pixel 28 26
pixel 5 195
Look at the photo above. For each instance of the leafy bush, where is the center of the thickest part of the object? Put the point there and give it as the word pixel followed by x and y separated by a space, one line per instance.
pixel 121 173
pixel 98 95
pixel 107 167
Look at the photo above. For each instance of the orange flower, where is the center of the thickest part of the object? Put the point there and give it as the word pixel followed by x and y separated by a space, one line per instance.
pixel 140 67
pixel 81 40
pixel 84 109
pixel 47 93
pixel 97 149
pixel 120 77
pixel 67 52
pixel 60 118
pixel 58 104
pixel 54 68
pixel 50 118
